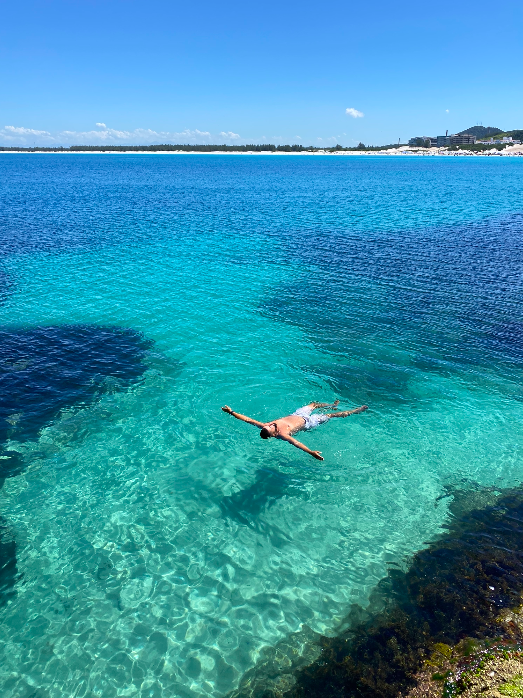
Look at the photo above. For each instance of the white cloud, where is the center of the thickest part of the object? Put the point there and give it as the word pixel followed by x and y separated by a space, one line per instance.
pixel 103 135
pixel 229 135
pixel 21 131
pixel 354 113
pixel 19 135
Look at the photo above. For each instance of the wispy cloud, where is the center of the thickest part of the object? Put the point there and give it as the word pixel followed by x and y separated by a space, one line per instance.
pixel 354 113
pixel 17 131
pixel 229 135
pixel 103 135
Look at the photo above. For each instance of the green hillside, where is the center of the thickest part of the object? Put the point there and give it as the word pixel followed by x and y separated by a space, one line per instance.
pixel 481 131
pixel 517 135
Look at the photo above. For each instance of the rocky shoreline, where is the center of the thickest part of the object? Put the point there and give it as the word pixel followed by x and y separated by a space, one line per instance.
pixel 472 669
pixel 451 624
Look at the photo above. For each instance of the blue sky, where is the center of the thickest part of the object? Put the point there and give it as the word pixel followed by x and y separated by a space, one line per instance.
pixel 86 71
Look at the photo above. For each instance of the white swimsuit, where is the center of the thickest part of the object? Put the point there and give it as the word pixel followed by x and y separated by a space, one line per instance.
pixel 311 420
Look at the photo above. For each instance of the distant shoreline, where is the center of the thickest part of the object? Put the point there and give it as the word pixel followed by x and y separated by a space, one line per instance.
pixel 511 151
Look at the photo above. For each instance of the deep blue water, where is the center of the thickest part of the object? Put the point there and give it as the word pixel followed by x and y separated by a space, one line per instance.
pixel 151 545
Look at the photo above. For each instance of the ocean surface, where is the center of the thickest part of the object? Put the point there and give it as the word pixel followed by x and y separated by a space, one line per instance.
pixel 153 546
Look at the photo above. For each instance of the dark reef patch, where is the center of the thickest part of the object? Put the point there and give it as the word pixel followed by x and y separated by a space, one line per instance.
pixel 435 300
pixel 453 589
pixel 11 464
pixel 372 383
pixel 45 369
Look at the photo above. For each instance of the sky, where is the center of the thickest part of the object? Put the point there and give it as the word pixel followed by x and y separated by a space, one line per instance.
pixel 134 72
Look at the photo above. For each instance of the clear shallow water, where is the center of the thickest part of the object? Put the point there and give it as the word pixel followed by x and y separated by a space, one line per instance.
pixel 161 546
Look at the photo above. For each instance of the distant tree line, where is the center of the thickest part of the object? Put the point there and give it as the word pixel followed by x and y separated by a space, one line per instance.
pixel 189 148
pixel 167 147
pixel 36 149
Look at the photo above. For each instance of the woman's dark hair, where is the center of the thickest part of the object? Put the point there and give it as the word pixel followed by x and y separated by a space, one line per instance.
pixel 265 433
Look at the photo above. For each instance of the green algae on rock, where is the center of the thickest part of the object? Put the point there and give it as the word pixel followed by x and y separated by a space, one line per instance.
pixel 490 670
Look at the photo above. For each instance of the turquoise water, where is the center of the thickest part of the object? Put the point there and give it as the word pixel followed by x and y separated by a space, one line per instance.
pixel 163 548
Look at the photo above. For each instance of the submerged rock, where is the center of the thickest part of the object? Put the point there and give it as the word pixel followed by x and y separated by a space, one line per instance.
pixel 46 369
pixel 467 584
pixel 489 672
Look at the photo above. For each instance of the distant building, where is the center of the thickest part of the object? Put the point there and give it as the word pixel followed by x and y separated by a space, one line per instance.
pixel 442 141
pixel 424 141
pixel 465 139
pixel 505 140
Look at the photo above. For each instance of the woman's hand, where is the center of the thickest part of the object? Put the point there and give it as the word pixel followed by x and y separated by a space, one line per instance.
pixel 227 409
pixel 317 455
